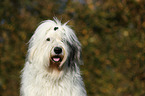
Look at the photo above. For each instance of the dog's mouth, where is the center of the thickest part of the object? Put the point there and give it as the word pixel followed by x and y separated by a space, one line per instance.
pixel 56 62
pixel 57 58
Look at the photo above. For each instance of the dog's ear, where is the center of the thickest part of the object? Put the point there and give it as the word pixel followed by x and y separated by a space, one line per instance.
pixel 31 53
pixel 32 50
pixel 75 53
pixel 75 45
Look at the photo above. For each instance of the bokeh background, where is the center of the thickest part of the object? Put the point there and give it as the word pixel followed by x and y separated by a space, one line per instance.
pixel 112 33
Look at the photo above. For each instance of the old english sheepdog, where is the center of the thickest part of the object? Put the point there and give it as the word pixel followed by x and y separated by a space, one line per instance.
pixel 52 63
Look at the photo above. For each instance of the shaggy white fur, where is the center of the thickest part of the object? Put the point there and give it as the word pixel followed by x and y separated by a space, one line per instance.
pixel 52 63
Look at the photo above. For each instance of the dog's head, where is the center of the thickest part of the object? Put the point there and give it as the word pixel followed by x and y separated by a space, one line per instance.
pixel 54 46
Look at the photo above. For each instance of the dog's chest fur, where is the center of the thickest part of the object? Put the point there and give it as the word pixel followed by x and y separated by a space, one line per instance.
pixel 39 83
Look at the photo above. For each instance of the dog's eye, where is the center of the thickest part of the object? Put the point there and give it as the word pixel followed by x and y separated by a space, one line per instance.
pixel 48 39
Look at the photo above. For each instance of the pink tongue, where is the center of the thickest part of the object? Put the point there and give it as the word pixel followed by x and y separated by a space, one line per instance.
pixel 56 59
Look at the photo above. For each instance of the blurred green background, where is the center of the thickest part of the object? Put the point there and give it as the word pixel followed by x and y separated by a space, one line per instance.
pixel 112 33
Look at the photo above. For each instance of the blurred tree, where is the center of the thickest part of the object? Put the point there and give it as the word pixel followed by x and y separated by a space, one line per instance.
pixel 111 32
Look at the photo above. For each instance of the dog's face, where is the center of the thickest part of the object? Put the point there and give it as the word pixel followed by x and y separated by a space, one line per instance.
pixel 54 47
pixel 55 38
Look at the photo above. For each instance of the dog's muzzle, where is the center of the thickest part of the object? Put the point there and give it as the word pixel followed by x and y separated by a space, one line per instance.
pixel 57 57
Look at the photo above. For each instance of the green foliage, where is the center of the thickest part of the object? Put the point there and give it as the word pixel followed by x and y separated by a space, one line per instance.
pixel 111 32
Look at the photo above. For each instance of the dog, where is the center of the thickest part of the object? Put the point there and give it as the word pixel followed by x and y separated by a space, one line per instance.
pixel 52 63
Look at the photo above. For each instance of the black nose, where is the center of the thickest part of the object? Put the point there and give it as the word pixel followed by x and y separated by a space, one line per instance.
pixel 57 50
